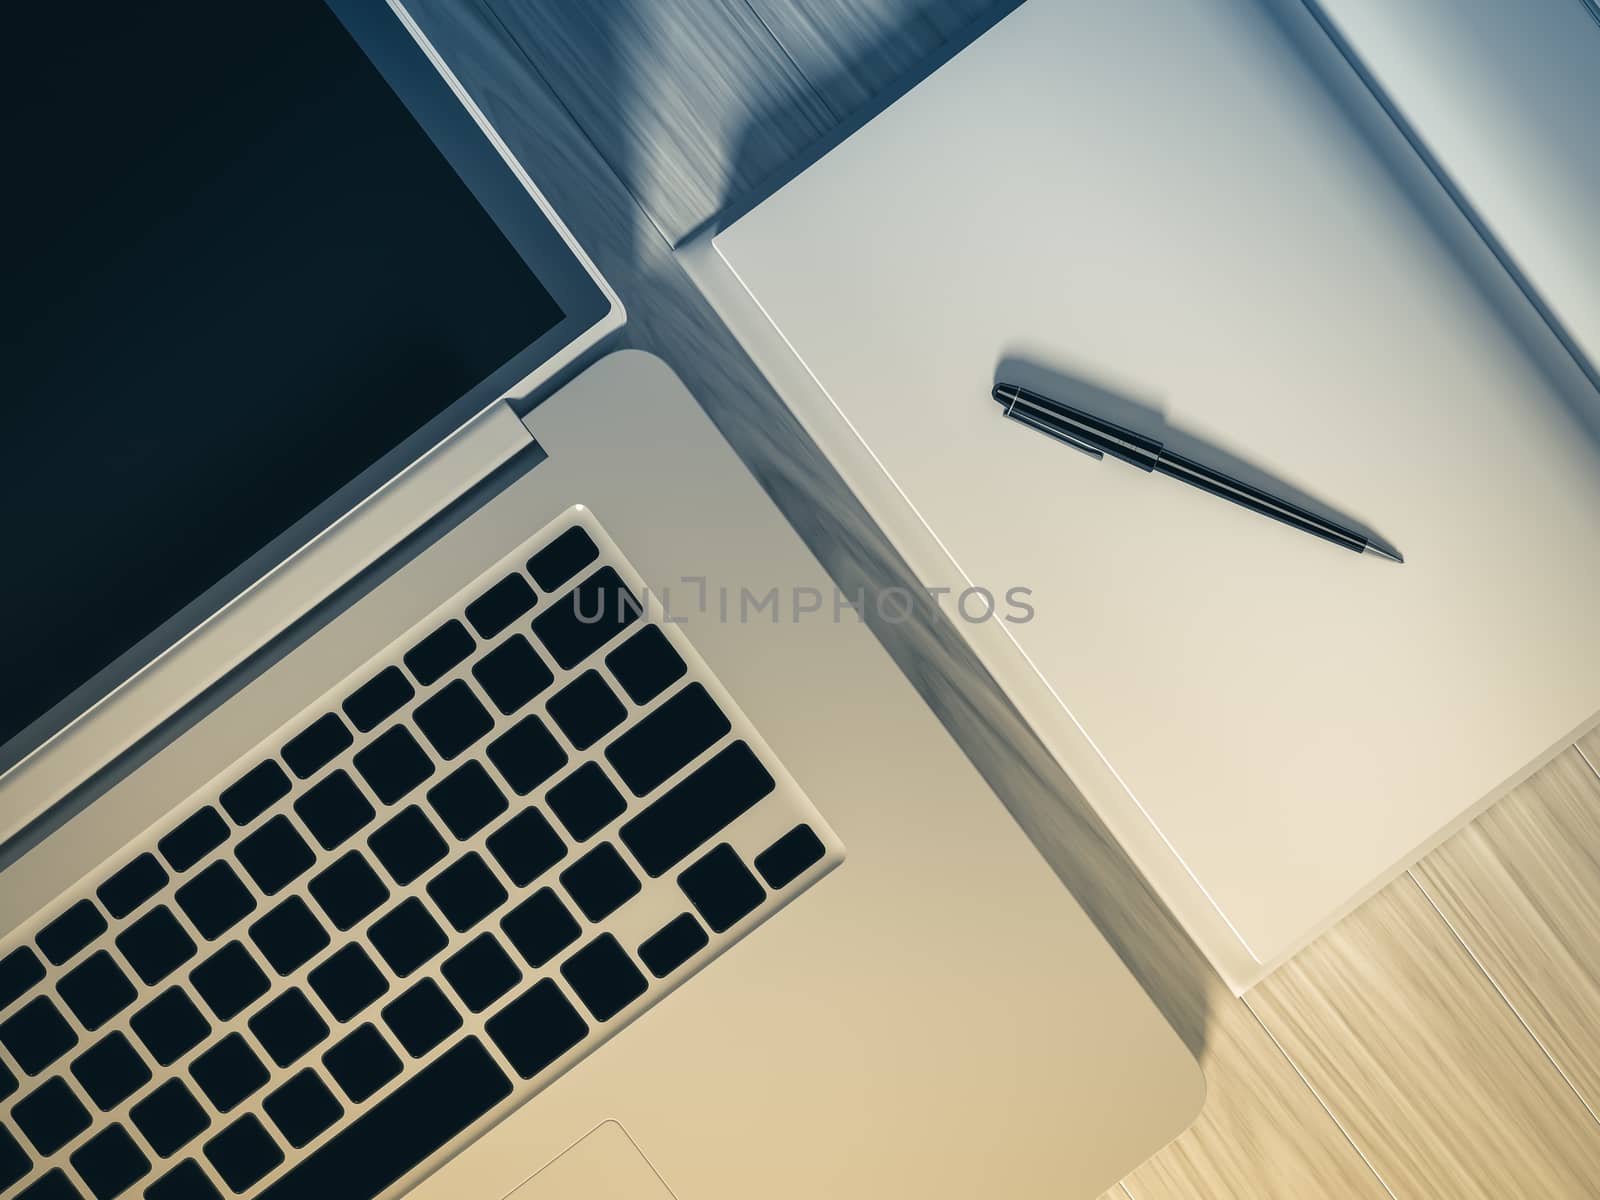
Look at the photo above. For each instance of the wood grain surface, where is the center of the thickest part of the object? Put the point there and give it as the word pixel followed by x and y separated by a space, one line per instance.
pixel 1262 1131
pixel 852 51
pixel 1589 747
pixel 1521 888
pixel 690 102
pixel 1423 1063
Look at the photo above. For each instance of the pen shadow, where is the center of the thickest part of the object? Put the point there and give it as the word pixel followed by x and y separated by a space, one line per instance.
pixel 1146 417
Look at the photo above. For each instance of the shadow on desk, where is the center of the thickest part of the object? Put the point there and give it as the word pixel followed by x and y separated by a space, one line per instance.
pixel 936 659
pixel 669 317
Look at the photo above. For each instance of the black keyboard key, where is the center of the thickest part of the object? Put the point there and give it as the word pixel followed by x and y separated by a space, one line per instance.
pixel 133 885
pixel 721 888
pixel 170 1026
pixel 695 810
pixel 36 1034
pixel 215 901
pixel 537 1028
pixel 170 1118
pixel 512 674
pixel 526 755
pixel 362 1063
pixel 375 701
pixel 289 936
pixel 562 558
pixel 407 936
pixel 466 892
pixel 394 764
pixel 186 1181
pixel 54 1185
pixel 110 1163
pixel 481 972
pixel 195 838
pixel 586 710
pixel 96 990
pixel 586 801
pixel 229 981
pixel 19 971
pixel 347 982
pixel 500 605
pixel 787 858
pixel 257 790
pixel 407 845
pixel 431 659
pixel 452 719
pixel 587 617
pixel 288 1027
pixel 401 1130
pixel 302 1108
pixel 14 1162
pixel 8 1082
pixel 229 1073
pixel 317 745
pixel 110 1071
pixel 275 855
pixel 334 810
pixel 467 799
pixel 667 739
pixel 349 890
pixel 421 1018
pixel 674 944
pixel 646 665
pixel 604 977
pixel 526 846
pixel 244 1153
pixel 50 1116
pixel 71 932
pixel 600 882
pixel 540 927
pixel 155 945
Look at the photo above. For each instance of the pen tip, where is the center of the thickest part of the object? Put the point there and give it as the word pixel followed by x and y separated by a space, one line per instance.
pixel 1384 552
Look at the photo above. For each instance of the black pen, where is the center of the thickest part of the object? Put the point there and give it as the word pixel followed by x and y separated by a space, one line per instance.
pixel 1097 437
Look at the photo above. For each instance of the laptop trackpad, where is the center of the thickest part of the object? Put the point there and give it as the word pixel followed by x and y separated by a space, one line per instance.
pixel 605 1165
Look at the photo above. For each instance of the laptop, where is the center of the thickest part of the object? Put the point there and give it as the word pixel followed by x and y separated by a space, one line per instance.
pixel 423 772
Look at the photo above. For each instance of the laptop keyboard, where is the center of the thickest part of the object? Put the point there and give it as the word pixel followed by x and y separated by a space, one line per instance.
pixel 423 902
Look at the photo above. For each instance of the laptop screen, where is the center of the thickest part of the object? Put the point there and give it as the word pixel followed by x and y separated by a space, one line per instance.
pixel 239 274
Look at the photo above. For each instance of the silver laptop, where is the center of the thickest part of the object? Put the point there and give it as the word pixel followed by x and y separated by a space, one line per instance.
pixel 392 745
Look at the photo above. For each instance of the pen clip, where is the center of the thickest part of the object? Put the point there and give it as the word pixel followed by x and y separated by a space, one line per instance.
pixel 1049 430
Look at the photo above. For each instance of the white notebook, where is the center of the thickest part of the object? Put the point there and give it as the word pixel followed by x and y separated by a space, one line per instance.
pixel 1161 199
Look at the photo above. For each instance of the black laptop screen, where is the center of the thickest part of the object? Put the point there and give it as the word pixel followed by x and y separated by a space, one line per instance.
pixel 239 273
